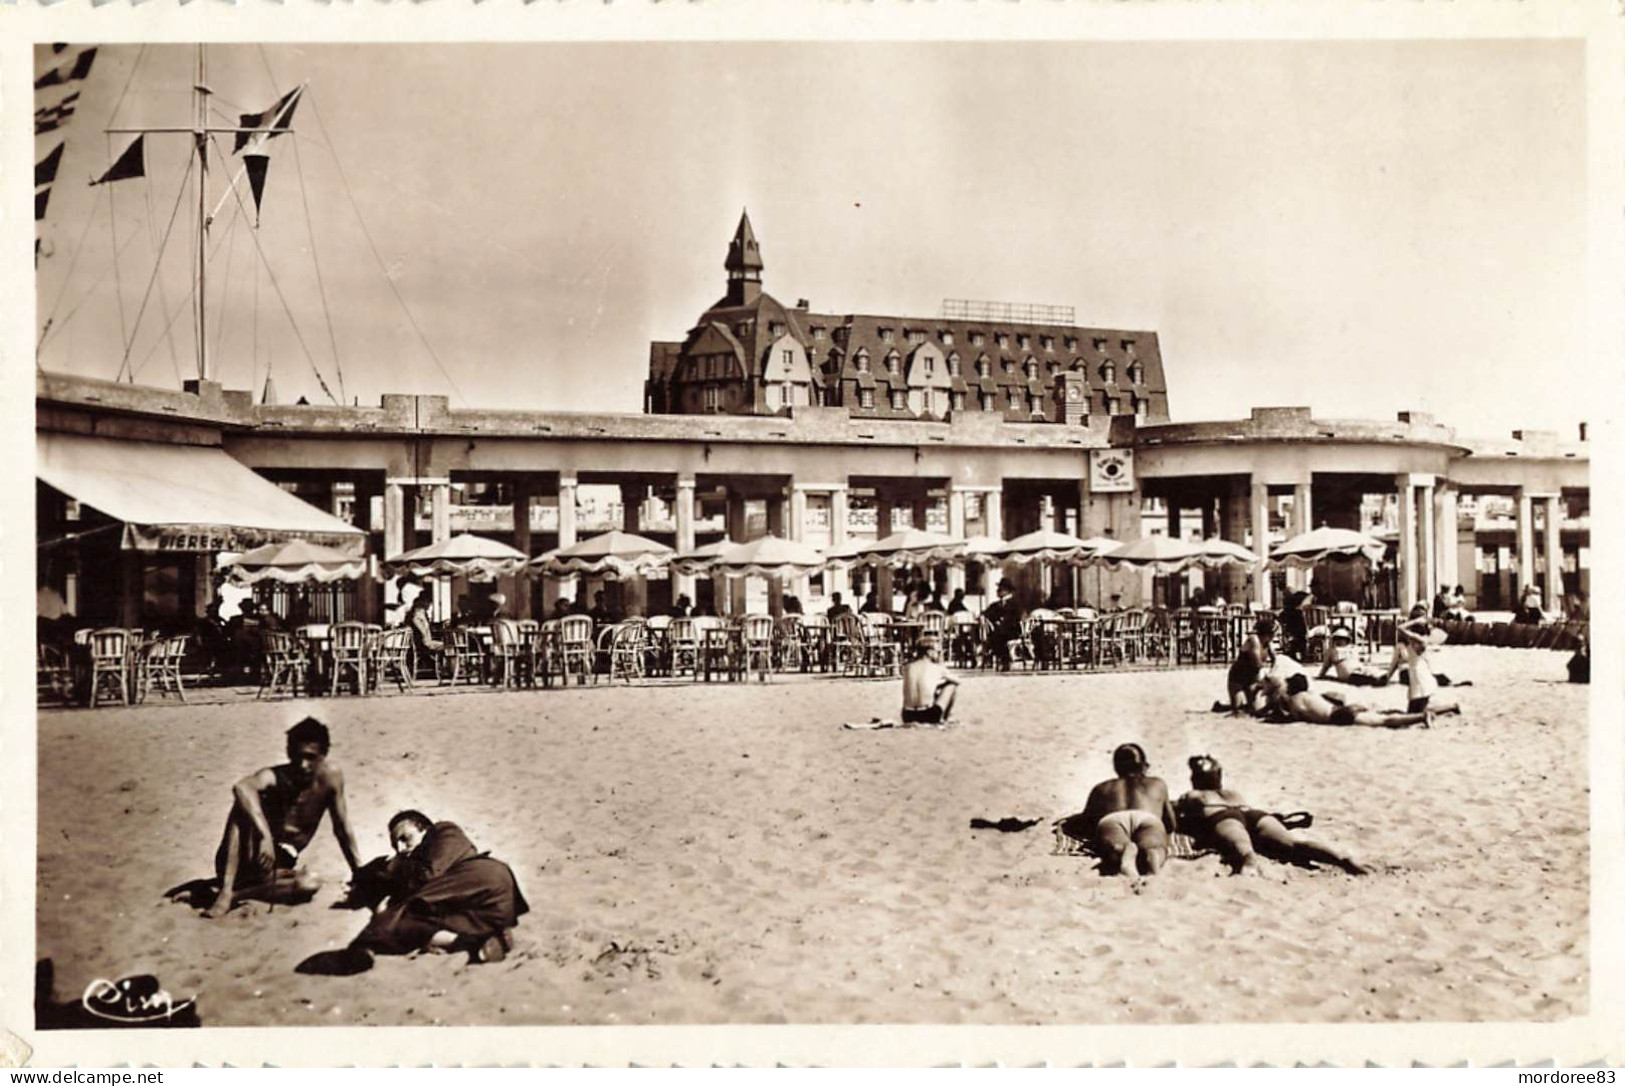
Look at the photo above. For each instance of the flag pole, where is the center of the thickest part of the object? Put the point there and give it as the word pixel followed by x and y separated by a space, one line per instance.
pixel 200 100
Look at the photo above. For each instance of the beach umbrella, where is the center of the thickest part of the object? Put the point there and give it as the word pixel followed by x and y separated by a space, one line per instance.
pixel 1043 545
pixel 1097 545
pixel 1158 553
pixel 769 556
pixel 1225 552
pixel 295 561
pixel 699 561
pixel 1303 551
pixel 982 548
pixel 910 547
pixel 845 555
pixel 471 556
pixel 612 555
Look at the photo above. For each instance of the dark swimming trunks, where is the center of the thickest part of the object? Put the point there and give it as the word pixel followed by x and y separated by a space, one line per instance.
pixel 1343 714
pixel 1247 816
pixel 931 714
pixel 1243 672
pixel 1416 705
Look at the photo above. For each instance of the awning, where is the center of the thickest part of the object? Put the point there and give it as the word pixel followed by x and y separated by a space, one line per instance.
pixel 183 497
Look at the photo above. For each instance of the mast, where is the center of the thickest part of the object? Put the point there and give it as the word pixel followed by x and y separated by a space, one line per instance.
pixel 200 100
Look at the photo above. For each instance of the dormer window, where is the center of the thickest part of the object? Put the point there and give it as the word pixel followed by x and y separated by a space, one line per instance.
pixel 742 329
pixel 958 400
pixel 1108 372
pixel 1136 373
pixel 1010 365
pixel 1128 346
pixel 947 337
pixel 1031 369
pixel 1004 339
pixel 899 399
pixel 818 331
pixel 891 363
pixel 914 335
pixel 1048 342
pixel 984 368
pixel 988 401
pixel 1072 344
pixel 862 361
pixel 775 329
pixel 885 335
pixel 1035 404
pixel 953 365
pixel 1142 408
pixel 1024 341
pixel 866 397
pixel 977 339
pixel 1100 345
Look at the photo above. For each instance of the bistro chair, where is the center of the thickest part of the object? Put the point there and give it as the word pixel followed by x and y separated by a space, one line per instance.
pixel 281 661
pixel 465 656
pixel 756 637
pixel 109 664
pixel 790 643
pixel 349 654
pixel 53 677
pixel 576 647
pixel 392 658
pixel 503 664
pixel 964 640
pixel 162 664
pixel 628 644
pixel 814 642
pixel 683 646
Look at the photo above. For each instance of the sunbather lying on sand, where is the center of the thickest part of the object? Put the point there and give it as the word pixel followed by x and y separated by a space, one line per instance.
pixel 1220 816
pixel 1130 816
pixel 1291 701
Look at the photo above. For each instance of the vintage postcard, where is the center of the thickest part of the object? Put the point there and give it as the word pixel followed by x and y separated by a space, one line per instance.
pixel 899 533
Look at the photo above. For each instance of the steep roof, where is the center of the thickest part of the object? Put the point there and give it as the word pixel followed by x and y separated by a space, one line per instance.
pixel 744 254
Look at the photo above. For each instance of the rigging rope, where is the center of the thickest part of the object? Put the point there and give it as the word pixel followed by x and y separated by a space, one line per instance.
pixel 118 281
pixel 155 269
pixel 321 287
pixel 163 295
pixel 270 273
pixel 187 297
pixel 225 284
pixel 343 180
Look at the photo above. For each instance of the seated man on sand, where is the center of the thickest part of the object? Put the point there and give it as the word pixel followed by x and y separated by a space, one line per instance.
pixel 928 689
pixel 1221 816
pixel 1129 817
pixel 1342 663
pixel 1254 658
pixel 274 814
pixel 438 893
pixel 1291 701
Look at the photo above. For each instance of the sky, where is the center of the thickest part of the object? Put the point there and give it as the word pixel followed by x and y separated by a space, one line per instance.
pixel 1360 227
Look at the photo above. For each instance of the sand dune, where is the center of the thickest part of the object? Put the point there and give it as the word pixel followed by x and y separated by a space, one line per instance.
pixel 730 854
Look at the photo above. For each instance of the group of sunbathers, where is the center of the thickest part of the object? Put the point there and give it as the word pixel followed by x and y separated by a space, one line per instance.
pixel 1129 820
pixel 1275 689
pixel 435 892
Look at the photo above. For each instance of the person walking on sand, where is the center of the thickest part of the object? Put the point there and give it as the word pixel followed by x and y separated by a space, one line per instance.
pixel 274 815
pixel 1291 701
pixel 928 689
pixel 1220 815
pixel 1411 651
pixel 1130 817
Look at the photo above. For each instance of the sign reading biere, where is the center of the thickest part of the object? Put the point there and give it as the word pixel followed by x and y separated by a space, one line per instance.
pixel 1111 471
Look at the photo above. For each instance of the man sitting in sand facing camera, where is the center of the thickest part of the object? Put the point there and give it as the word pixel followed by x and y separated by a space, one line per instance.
pixel 274 815
pixel 928 689
pixel 1129 817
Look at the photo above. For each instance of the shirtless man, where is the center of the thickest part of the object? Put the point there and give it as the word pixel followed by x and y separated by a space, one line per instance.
pixel 1130 816
pixel 1340 659
pixel 274 815
pixel 1255 656
pixel 1222 815
pixel 1291 700
pixel 928 689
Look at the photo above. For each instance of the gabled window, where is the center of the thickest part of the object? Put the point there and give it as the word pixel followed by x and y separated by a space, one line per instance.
pixel 1136 372
pixel 1031 369
pixel 885 335
pixel 953 365
pixel 1024 341
pixel 861 361
pixel 899 399
pixel 1108 372
pixel 1003 339
pixel 947 337
pixel 891 362
pixel 866 397
pixel 1049 343
pixel 984 368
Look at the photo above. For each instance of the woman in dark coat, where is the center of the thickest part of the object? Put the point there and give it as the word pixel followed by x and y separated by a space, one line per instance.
pixel 439 892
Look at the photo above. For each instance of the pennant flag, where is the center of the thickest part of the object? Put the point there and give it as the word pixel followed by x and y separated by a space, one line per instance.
pixel 279 116
pixel 58 76
pixel 256 163
pixel 50 118
pixel 45 169
pixel 58 46
pixel 132 163
pixel 41 198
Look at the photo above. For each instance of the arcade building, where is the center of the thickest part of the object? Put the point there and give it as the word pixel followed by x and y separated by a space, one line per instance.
pixel 989 420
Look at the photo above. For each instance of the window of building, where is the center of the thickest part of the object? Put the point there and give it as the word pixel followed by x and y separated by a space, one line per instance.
pixel 1108 372
pixel 1003 339
pixel 1136 373
pixel 987 401
pixel 984 368
pixel 959 401
pixel 1031 369
pixel 862 362
pixel 1009 365
pixel 1128 346
pixel 1035 404
pixel 1024 341
pixel 1142 408
pixel 930 366
pixel 891 363
pixel 1100 345
pixel 885 335
pixel 1049 343
pixel 916 335
pixel 818 331
pixel 775 329
pixel 977 339
pixel 866 397
pixel 713 398
pixel 899 399
pixel 947 337
pixel 1113 405
pixel 742 329
pixel 953 365
pixel 1072 343
pixel 786 357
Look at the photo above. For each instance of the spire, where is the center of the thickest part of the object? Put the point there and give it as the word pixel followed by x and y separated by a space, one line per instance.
pixel 268 397
pixel 744 264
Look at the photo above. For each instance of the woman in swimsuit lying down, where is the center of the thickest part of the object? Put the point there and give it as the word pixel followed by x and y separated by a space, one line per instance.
pixel 1221 816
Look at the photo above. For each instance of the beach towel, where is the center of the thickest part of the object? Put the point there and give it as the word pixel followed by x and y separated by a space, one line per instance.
pixel 1070 841
pixel 1004 825
pixel 879 725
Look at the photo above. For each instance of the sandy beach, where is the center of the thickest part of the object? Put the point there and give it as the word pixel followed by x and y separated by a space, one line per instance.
pixel 728 853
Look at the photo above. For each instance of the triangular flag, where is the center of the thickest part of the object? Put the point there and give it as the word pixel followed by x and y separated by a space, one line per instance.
pixel 81 67
pixel 41 198
pixel 45 169
pixel 57 76
pixel 278 116
pixel 132 163
pixel 256 163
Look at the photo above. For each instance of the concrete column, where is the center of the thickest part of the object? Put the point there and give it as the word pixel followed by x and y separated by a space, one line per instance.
pixel 394 519
pixel 795 528
pixel 1446 546
pixel 1303 520
pixel 1526 542
pixel 1260 506
pixel 836 579
pixel 568 587
pixel 956 528
pixel 883 574
pixel 440 530
pixel 519 595
pixel 1175 525
pixel 1046 513
pixel 921 512
pixel 683 583
pixel 1428 577
pixel 733 588
pixel 1210 519
pixel 632 496
pixel 1406 490
pixel 1552 591
pixel 993 517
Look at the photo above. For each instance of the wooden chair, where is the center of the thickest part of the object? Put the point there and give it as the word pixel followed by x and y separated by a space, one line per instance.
pixel 162 666
pixel 964 639
pixel 756 636
pixel 281 660
pixel 576 647
pixel 350 655
pixel 465 656
pixel 109 663
pixel 790 643
pixel 849 645
pixel 392 657
pixel 628 648
pixel 682 646
pixel 814 642
pixel 53 677
pixel 503 665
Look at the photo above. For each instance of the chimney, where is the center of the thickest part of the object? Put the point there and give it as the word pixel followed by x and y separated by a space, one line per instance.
pixel 1582 431
pixel 803 304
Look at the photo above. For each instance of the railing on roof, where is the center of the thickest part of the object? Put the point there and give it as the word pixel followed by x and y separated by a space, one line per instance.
pixel 965 309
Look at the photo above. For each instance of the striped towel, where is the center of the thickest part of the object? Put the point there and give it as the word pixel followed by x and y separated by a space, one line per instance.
pixel 1180 846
